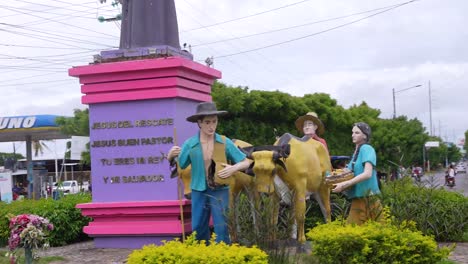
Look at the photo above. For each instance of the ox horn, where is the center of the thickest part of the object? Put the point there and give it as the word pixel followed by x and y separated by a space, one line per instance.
pixel 249 171
pixel 286 150
pixel 276 158
pixel 247 151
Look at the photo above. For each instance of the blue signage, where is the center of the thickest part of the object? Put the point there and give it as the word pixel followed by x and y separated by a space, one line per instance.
pixel 27 122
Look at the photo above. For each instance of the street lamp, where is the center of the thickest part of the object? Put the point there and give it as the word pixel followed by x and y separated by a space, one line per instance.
pixel 402 90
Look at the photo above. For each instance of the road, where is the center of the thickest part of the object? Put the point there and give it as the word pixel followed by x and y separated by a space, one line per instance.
pixel 437 178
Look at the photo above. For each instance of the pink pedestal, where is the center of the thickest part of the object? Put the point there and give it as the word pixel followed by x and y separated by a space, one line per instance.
pixel 145 79
pixel 135 202
pixel 133 224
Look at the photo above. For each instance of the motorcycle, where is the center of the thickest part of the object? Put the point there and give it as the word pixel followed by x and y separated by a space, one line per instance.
pixel 449 181
pixel 417 174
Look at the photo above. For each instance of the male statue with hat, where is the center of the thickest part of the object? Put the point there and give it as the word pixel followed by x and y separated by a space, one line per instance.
pixel 311 125
pixel 209 154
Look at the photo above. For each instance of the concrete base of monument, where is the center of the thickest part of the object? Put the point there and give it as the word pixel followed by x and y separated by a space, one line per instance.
pixel 134 224
pixel 159 51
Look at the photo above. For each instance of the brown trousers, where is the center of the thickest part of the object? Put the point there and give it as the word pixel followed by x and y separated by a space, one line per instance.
pixel 364 209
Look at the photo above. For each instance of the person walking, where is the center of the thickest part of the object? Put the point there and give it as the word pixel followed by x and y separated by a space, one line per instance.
pixel 363 187
pixel 209 154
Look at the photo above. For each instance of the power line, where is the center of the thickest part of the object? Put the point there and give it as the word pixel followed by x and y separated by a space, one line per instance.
pixel 83 4
pixel 237 66
pixel 18 67
pixel 21 84
pixel 292 27
pixel 63 23
pixel 30 69
pixel 50 35
pixel 39 60
pixel 316 33
pixel 43 12
pixel 265 58
pixel 41 37
pixel 39 47
pixel 58 55
pixel 28 77
pixel 60 37
pixel 248 16
pixel 52 7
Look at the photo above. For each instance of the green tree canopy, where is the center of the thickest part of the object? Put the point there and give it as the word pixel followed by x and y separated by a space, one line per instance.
pixel 5 155
pixel 78 125
pixel 259 116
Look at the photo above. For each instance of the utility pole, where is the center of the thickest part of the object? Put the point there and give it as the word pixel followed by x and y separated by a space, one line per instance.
pixel 430 110
pixel 399 91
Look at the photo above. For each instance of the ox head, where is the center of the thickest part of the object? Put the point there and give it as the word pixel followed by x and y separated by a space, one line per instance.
pixel 266 159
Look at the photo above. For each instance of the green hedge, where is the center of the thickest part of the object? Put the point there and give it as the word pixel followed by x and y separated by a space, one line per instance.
pixel 372 242
pixel 436 211
pixel 68 221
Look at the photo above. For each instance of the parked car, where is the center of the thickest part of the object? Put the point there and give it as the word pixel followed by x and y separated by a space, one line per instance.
pixel 67 187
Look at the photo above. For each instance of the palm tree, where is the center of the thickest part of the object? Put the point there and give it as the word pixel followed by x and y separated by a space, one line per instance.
pixel 39 146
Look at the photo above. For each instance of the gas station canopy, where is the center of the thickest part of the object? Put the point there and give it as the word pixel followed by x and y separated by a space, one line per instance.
pixel 37 127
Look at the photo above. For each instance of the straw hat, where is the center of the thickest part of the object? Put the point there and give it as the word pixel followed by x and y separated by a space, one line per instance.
pixel 205 109
pixel 312 116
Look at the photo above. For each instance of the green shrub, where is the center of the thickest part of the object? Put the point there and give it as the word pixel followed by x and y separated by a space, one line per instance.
pixel 68 221
pixel 373 242
pixel 192 251
pixel 265 223
pixel 259 222
pixel 437 212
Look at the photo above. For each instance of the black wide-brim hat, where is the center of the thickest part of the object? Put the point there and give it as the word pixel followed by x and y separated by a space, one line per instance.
pixel 205 109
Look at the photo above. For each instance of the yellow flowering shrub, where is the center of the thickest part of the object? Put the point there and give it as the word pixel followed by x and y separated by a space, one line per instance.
pixel 337 242
pixel 192 251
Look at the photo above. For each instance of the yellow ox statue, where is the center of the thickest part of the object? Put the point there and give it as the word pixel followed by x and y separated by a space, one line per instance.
pixel 239 182
pixel 240 179
pixel 307 166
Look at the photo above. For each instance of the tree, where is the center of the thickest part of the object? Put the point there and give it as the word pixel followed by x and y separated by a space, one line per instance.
pixel 465 146
pixel 78 125
pixel 38 146
pixel 399 141
pixel 259 116
pixel 453 153
pixel 4 156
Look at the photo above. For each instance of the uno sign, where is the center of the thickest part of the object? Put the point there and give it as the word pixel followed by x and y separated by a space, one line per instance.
pixel 17 122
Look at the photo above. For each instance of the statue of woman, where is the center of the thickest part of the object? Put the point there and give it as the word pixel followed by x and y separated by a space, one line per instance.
pixel 148 23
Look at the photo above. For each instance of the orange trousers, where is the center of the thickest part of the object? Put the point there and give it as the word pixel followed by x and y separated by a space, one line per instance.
pixel 364 209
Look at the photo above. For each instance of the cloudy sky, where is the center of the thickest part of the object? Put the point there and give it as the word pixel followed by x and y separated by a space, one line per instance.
pixel 354 50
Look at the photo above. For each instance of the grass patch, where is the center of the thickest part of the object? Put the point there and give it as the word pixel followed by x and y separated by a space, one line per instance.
pixel 446 261
pixel 43 260
pixel 465 237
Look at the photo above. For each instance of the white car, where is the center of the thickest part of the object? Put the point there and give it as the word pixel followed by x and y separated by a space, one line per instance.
pixel 460 169
pixel 68 187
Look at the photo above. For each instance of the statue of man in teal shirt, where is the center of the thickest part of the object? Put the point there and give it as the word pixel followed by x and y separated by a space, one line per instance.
pixel 204 151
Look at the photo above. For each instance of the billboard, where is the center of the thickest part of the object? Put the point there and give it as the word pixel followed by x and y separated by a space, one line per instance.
pixel 432 144
pixel 78 145
pixel 6 186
